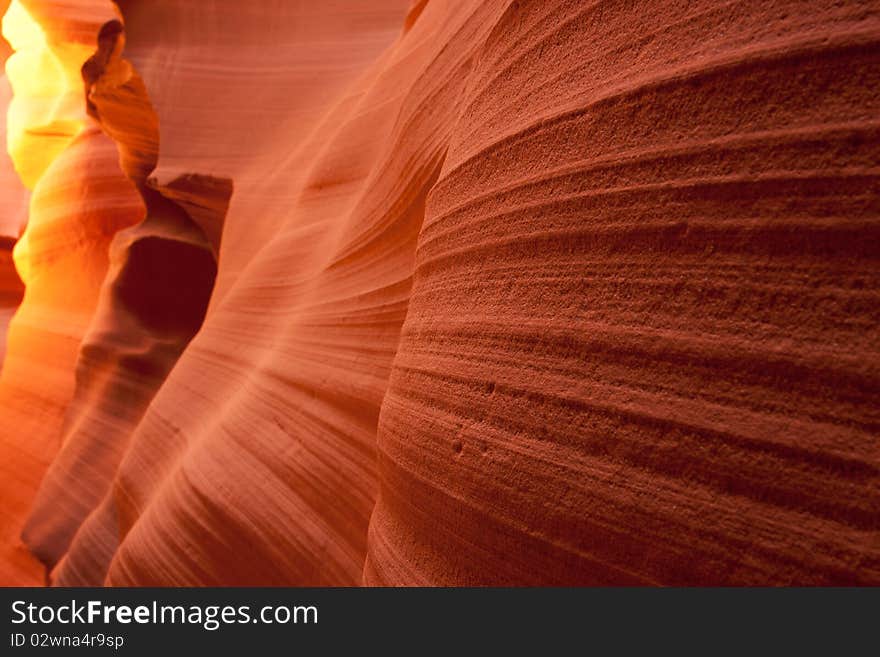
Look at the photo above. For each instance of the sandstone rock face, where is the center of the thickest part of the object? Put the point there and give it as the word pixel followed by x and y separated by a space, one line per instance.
pixel 443 293
pixel 77 206
pixel 641 344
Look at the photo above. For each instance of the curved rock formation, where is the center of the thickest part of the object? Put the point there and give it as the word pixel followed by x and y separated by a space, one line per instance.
pixel 144 317
pixel 507 292
pixel 641 344
pixel 76 208
pixel 277 389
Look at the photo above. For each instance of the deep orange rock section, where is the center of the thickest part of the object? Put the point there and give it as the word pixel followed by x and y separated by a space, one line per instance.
pixel 450 292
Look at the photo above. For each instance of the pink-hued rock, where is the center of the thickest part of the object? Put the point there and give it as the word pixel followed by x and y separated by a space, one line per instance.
pixel 13 215
pixel 75 210
pixel 455 292
pixel 13 195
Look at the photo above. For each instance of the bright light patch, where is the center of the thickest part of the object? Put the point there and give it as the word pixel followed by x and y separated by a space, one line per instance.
pixel 46 111
pixel 20 30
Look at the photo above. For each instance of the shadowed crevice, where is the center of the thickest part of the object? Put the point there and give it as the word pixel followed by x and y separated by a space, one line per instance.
pixel 152 303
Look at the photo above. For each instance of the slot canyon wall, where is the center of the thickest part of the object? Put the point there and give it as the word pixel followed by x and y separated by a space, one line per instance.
pixel 440 292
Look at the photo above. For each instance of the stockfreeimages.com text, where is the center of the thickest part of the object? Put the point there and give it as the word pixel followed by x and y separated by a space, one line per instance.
pixel 211 617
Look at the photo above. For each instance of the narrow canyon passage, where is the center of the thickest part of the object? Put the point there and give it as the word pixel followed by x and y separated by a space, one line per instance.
pixel 478 292
pixel 103 319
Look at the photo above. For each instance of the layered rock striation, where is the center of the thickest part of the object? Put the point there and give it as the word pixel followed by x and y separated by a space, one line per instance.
pixel 444 293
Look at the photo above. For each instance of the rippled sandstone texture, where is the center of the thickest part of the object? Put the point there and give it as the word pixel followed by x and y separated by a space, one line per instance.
pixel 463 292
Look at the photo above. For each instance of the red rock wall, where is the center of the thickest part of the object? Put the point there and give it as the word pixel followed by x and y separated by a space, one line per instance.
pixel 536 292
pixel 641 344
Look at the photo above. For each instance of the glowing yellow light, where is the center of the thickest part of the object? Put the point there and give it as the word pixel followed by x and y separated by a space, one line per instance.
pixel 46 111
pixel 21 260
pixel 20 30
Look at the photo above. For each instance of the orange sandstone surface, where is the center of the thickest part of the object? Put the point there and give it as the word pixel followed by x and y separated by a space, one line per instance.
pixel 443 292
